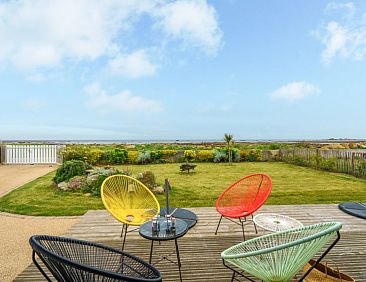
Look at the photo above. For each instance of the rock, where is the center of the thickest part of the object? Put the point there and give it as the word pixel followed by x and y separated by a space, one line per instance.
pixel 92 178
pixel 87 194
pixel 64 186
pixel 158 190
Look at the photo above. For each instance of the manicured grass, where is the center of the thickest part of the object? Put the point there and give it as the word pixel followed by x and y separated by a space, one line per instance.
pixel 291 185
pixel 41 197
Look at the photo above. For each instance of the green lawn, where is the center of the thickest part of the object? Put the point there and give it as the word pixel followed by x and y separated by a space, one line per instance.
pixel 291 185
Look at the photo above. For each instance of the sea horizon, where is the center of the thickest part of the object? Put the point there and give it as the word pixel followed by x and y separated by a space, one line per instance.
pixel 176 141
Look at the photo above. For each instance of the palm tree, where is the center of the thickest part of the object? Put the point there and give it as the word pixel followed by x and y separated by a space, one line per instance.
pixel 229 139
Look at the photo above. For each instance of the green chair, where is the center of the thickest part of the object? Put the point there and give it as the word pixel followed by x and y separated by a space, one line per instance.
pixel 280 256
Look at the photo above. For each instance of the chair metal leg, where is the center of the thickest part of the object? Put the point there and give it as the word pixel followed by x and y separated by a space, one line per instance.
pixel 236 272
pixel 123 228
pixel 151 250
pixel 124 237
pixel 39 267
pixel 322 256
pixel 242 227
pixel 255 226
pixel 232 277
pixel 217 228
pixel 178 258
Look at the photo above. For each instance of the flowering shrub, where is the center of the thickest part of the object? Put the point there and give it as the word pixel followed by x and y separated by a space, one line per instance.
pixel 205 156
pixel 76 183
pixel 94 156
pixel 132 157
pixel 118 154
pixel 189 155
pixel 75 152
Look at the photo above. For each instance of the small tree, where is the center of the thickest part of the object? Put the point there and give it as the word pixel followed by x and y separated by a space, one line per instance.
pixel 229 139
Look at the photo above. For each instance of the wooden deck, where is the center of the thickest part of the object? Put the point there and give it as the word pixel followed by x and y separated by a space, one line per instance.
pixel 200 249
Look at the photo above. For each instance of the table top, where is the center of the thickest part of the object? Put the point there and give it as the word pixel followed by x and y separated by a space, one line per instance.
pixel 276 222
pixel 186 215
pixel 181 229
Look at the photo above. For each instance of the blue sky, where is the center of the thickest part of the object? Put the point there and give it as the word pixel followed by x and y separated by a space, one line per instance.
pixel 182 69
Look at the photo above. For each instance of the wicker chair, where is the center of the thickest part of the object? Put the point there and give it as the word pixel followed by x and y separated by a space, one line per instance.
pixel 75 260
pixel 243 198
pixel 280 256
pixel 129 201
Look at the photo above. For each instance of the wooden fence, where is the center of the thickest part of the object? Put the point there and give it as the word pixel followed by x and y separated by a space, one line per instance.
pixel 346 161
pixel 30 154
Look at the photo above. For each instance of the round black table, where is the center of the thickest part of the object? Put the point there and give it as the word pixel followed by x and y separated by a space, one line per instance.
pixel 189 217
pixel 181 229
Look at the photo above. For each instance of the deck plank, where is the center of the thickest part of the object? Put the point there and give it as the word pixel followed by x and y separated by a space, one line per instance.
pixel 200 249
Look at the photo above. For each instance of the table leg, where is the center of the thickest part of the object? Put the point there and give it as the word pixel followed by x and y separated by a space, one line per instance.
pixel 151 250
pixel 178 258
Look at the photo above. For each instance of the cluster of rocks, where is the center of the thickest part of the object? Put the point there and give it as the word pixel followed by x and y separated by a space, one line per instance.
pixel 87 183
pixel 82 182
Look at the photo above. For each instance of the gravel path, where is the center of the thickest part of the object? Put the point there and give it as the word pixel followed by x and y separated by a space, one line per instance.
pixel 15 230
pixel 13 176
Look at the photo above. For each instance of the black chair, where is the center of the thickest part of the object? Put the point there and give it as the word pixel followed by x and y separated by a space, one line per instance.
pixel 76 260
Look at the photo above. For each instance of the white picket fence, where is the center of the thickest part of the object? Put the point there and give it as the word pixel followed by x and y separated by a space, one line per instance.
pixel 31 154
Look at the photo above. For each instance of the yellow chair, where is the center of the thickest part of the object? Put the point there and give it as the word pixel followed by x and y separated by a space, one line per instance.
pixel 129 201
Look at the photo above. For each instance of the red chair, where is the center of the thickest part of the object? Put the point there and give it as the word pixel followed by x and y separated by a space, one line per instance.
pixel 243 198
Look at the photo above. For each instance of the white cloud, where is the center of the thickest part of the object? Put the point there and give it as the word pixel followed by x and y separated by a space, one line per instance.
pixel 195 22
pixel 43 34
pixel 295 91
pixel 343 38
pixel 133 65
pixel 123 102
pixel 334 6
pixel 335 41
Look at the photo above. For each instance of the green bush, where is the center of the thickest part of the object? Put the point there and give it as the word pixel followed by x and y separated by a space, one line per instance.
pixel 235 155
pixel 297 160
pixel 220 156
pixel 69 169
pixel 189 155
pixel 168 153
pixel 95 156
pixel 132 157
pixel 361 168
pixel 328 165
pixel 156 155
pixel 74 152
pixel 144 157
pixel 205 156
pixel 117 156
pixel 250 155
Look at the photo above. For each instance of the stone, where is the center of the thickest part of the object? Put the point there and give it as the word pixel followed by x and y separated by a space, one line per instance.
pixel 92 178
pixel 158 190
